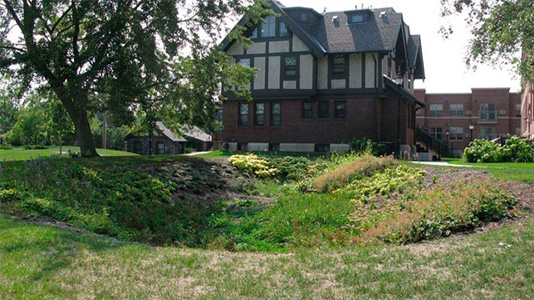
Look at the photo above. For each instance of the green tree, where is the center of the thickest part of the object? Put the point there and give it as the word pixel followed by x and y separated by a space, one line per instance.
pixel 59 122
pixel 30 128
pixel 501 30
pixel 118 56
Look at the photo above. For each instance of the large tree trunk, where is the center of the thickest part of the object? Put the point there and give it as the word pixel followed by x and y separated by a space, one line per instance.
pixel 84 135
pixel 81 124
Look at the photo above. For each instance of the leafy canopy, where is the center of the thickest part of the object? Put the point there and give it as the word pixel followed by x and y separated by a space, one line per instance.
pixel 123 56
pixel 501 30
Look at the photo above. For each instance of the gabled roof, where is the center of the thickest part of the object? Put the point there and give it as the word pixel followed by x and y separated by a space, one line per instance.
pixel 383 31
pixel 377 34
pixel 188 132
pixel 404 92
pixel 168 133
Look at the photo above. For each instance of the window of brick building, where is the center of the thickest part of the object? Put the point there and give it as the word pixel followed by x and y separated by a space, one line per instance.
pixel 518 110
pixel 457 110
pixel 436 110
pixel 259 114
pixel 456 134
pixel 243 114
pixel 488 133
pixel 276 114
pixel 323 109
pixel 437 132
pixel 307 110
pixel 341 109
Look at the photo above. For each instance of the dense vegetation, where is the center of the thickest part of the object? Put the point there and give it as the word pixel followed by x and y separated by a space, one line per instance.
pixel 513 150
pixel 274 204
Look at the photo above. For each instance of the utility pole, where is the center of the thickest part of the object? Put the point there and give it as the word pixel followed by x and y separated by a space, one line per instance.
pixel 104 131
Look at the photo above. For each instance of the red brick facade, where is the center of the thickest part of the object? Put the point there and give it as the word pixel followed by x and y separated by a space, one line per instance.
pixel 365 117
pixel 492 113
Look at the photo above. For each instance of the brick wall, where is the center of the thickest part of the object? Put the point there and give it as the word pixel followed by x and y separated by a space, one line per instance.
pixel 365 118
pixel 505 105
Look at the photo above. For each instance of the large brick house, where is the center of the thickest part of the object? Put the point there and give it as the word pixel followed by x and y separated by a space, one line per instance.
pixel 457 119
pixel 324 79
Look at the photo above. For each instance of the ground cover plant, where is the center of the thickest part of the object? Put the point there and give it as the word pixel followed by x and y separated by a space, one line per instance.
pixel 336 201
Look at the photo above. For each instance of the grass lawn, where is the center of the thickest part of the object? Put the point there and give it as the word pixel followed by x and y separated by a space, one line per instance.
pixel 523 172
pixel 21 154
pixel 39 262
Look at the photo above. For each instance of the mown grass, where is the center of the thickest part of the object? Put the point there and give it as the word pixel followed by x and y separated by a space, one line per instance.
pixel 521 172
pixel 22 154
pixel 42 262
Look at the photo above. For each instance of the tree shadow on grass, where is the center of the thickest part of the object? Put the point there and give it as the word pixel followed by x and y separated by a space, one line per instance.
pixel 44 250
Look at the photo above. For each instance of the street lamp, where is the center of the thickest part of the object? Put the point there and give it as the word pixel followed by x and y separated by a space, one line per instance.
pixel 399 81
pixel 448 134
pixel 471 127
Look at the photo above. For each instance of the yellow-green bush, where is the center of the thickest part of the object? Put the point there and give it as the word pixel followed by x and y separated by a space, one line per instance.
pixel 253 164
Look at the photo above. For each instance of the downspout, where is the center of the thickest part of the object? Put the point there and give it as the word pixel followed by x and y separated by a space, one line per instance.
pixel 376 99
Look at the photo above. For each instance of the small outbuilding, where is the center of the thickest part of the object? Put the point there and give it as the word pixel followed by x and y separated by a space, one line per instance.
pixel 165 142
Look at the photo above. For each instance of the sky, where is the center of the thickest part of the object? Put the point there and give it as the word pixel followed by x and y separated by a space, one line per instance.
pixel 445 69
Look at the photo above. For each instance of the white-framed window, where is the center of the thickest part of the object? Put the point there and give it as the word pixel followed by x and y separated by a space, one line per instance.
pixel 456 134
pixel 436 110
pixel 268 29
pixel 457 110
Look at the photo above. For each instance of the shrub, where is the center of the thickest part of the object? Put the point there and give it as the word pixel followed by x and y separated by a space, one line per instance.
pixel 518 150
pixel 345 173
pixel 368 146
pixel 3 147
pixel 11 195
pixel 190 150
pixel 514 150
pixel 35 147
pixel 291 168
pixel 253 164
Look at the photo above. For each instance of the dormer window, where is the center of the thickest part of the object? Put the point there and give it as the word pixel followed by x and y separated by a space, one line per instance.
pixel 357 18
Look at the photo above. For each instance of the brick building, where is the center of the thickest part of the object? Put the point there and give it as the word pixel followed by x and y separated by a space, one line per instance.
pixel 485 113
pixel 324 79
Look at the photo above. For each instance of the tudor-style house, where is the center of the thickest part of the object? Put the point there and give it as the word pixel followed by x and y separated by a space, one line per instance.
pixel 324 79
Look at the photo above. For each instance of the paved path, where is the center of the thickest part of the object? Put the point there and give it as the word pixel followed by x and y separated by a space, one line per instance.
pixel 440 164
pixel 197 153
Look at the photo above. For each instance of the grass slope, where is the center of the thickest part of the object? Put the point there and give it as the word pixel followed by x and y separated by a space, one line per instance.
pixel 22 154
pixel 522 172
pixel 43 262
